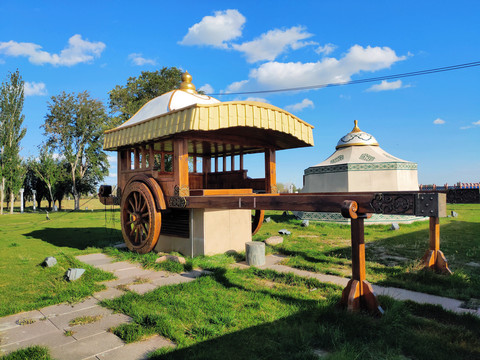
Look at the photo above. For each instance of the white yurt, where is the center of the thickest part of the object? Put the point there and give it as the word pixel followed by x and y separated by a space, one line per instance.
pixel 360 164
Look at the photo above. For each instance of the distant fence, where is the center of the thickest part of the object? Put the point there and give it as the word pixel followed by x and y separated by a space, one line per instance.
pixel 460 193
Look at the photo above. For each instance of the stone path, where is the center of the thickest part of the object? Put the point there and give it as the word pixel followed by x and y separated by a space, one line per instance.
pixel 272 262
pixel 50 326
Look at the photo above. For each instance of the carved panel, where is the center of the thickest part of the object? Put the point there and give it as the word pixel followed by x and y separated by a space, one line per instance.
pixel 384 203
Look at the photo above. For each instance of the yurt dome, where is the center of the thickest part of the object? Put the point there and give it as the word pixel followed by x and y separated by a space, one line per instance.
pixel 360 164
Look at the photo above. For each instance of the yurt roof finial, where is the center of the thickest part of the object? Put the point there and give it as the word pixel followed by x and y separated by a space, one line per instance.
pixel 356 128
pixel 186 84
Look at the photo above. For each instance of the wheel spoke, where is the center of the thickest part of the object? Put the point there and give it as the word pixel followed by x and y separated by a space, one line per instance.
pixel 145 215
pixel 137 233
pixel 129 222
pixel 145 228
pixel 135 196
pixel 131 205
pixel 144 205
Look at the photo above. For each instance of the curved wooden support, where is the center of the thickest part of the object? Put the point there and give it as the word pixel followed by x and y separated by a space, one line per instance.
pixel 257 221
pixel 434 258
pixel 359 295
pixel 154 188
pixel 349 209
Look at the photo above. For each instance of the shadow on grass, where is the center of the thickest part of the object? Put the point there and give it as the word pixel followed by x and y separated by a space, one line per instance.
pixel 459 241
pixel 407 329
pixel 78 238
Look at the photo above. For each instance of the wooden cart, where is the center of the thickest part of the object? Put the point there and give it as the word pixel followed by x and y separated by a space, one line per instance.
pixel 186 151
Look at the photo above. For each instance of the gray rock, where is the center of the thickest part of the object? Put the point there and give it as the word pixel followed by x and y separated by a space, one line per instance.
pixel 284 232
pixel 274 240
pixel 305 223
pixel 74 274
pixel 120 245
pixel 454 214
pixel 49 261
pixel 395 226
pixel 267 220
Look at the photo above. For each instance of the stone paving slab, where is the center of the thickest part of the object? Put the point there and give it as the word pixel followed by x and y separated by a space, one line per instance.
pixel 26 332
pixel 88 347
pixel 119 265
pixel 141 288
pixel 61 309
pixel 10 322
pixel 95 259
pixel 62 321
pixel 108 294
pixel 138 350
pixel 83 331
pixel 51 340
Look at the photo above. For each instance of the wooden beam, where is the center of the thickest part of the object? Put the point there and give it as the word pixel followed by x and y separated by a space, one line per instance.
pixel 241 159
pixel 232 162
pixel 270 171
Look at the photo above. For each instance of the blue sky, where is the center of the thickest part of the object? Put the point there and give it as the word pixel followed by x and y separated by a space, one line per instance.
pixel 433 120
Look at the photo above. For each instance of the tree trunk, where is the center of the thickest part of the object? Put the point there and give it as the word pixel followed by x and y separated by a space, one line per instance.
pixel 59 205
pixel 12 199
pixel 76 198
pixel 2 195
pixel 39 202
pixel 49 204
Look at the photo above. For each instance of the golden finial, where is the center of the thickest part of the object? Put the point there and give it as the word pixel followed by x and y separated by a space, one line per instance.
pixel 186 84
pixel 356 128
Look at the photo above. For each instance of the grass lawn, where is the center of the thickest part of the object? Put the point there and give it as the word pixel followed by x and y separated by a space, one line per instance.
pixel 27 239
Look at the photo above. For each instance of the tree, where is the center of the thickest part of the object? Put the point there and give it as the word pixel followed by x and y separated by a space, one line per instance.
pixel 126 100
pixel 47 169
pixel 74 125
pixel 11 133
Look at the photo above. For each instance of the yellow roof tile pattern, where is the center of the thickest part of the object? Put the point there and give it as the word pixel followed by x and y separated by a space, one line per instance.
pixel 211 117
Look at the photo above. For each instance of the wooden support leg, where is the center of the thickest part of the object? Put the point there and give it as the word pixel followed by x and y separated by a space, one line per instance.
pixel 434 258
pixel 358 294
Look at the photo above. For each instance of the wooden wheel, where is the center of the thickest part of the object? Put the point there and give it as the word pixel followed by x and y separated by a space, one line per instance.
pixel 141 222
pixel 257 220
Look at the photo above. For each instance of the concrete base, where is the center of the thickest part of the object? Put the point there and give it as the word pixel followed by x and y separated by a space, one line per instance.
pixel 212 231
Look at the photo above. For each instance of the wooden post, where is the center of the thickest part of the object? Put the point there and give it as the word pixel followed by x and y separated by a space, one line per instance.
pixel 270 171
pixel 232 162
pixel 180 165
pixel 358 294
pixel 241 159
pixel 434 258
pixel 136 159
pixel 143 152
pixel 124 164
pixel 151 157
pixel 207 168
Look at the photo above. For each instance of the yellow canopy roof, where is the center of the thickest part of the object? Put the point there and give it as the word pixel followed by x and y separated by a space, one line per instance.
pixel 245 120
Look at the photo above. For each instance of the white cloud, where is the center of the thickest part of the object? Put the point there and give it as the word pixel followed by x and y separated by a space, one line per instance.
pixel 236 86
pixel 207 88
pixel 33 88
pixel 438 121
pixel 216 30
pixel 385 86
pixel 77 51
pixel 259 99
pixel 326 49
pixel 305 103
pixel 474 124
pixel 139 60
pixel 274 42
pixel 277 75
